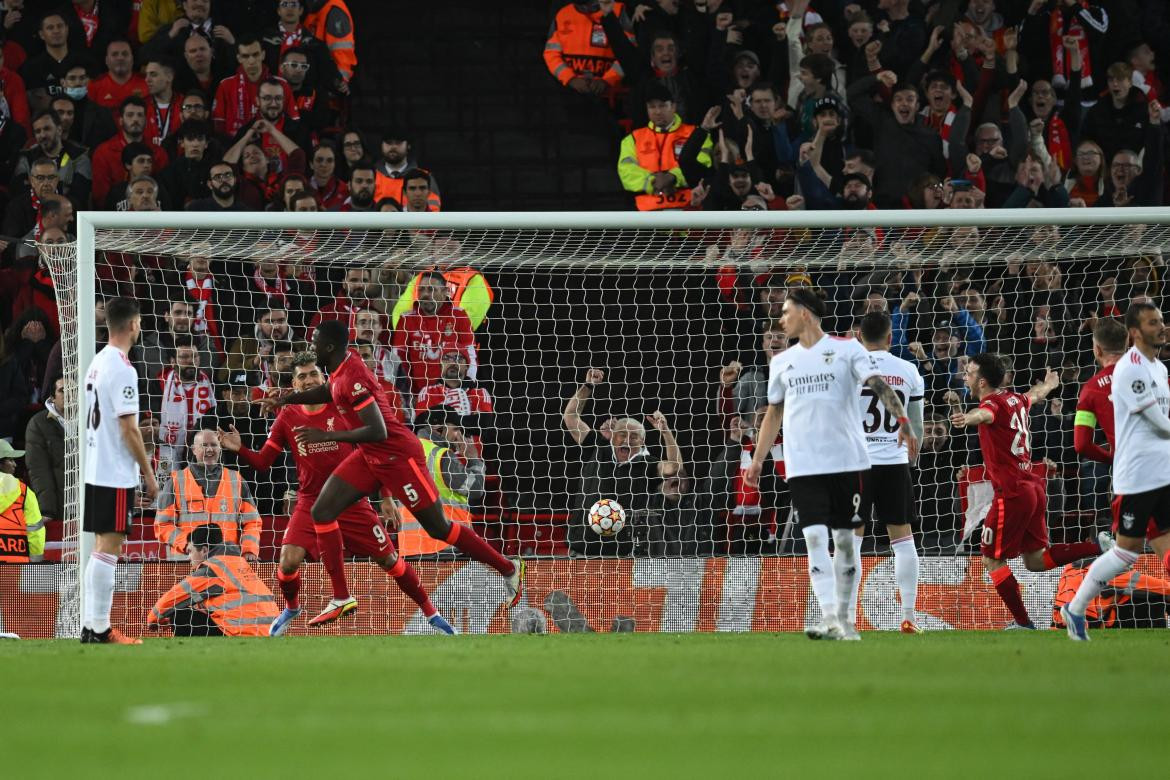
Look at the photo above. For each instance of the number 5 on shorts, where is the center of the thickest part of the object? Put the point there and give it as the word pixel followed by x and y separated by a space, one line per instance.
pixel 410 492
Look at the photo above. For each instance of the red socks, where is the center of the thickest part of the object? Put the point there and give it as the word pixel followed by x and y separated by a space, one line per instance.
pixel 408 582
pixel 1009 590
pixel 1060 554
pixel 329 541
pixel 290 587
pixel 466 540
pixel 1166 562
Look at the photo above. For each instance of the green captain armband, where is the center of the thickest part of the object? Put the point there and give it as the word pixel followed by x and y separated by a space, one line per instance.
pixel 1085 418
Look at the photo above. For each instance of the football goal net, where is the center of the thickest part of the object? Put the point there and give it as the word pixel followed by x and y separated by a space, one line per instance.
pixel 553 360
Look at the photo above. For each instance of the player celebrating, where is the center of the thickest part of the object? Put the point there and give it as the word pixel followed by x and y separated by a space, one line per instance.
pixel 1015 524
pixel 1095 404
pixel 889 491
pixel 114 457
pixel 1141 463
pixel 387 455
pixel 360 528
pixel 812 388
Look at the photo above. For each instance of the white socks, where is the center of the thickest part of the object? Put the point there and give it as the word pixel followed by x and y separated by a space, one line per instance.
pixel 820 570
pixel 857 540
pixel 846 571
pixel 99 590
pixel 906 574
pixel 1106 567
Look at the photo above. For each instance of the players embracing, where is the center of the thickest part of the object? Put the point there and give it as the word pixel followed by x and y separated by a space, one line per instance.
pixel 387 456
pixel 361 530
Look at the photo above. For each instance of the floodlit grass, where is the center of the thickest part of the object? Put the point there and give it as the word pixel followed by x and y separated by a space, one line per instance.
pixel 946 704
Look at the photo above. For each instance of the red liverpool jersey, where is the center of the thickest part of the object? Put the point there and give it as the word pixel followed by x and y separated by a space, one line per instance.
pixel 1097 400
pixel 1006 441
pixel 353 388
pixel 422 339
pixel 464 400
pixel 316 461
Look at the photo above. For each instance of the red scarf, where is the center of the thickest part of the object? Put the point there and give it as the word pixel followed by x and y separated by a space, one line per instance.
pixel 1056 33
pixel 40 224
pixel 289 40
pixel 1088 189
pixel 746 496
pixel 203 291
pixel 89 22
pixel 279 291
pixel 941 123
pixel 246 95
pixel 1058 142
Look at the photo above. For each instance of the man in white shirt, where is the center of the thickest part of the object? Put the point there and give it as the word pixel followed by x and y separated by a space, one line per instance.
pixel 115 459
pixel 1141 464
pixel 813 388
pixel 889 493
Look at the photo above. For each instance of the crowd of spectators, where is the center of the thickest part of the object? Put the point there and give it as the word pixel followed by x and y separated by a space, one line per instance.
pixel 893 104
pixel 198 105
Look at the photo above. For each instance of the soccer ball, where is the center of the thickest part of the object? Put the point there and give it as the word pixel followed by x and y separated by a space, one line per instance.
pixel 607 517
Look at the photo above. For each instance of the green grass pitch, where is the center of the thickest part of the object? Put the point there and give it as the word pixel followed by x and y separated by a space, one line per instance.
pixel 944 705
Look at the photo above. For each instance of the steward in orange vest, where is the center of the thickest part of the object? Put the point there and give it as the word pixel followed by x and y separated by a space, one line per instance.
pixel 222 596
pixel 1131 600
pixel 648 163
pixel 391 170
pixel 207 492
pixel 22 530
pixel 330 21
pixel 578 50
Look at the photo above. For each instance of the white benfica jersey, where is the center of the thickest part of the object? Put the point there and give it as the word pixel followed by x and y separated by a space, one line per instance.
pixel 111 391
pixel 879 423
pixel 1142 460
pixel 822 422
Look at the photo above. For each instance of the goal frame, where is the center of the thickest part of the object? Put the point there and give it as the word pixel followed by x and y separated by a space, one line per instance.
pixel 90 222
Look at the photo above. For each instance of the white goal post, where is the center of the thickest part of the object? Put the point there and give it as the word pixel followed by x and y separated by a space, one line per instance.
pixel 840 251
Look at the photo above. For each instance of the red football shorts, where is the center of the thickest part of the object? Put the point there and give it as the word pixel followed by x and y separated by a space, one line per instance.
pixel 361 531
pixel 406 477
pixel 1015 524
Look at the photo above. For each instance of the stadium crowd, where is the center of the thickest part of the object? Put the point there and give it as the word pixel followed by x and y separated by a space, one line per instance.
pixel 894 104
pixel 752 105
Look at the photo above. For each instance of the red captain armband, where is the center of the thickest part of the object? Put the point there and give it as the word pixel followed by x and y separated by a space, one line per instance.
pixel 903 420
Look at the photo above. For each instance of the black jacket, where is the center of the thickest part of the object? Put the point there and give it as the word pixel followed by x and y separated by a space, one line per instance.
pixel 1115 129
pixel 903 152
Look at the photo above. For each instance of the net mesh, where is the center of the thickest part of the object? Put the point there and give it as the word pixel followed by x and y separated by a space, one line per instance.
pixel 62 263
pixel 678 321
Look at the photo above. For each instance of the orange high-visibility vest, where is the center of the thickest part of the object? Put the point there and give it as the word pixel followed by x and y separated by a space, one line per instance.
pixel 229 591
pixel 391 187
pixel 14 531
pixel 412 537
pixel 236 517
pixel 577 46
pixel 659 152
pixel 333 24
